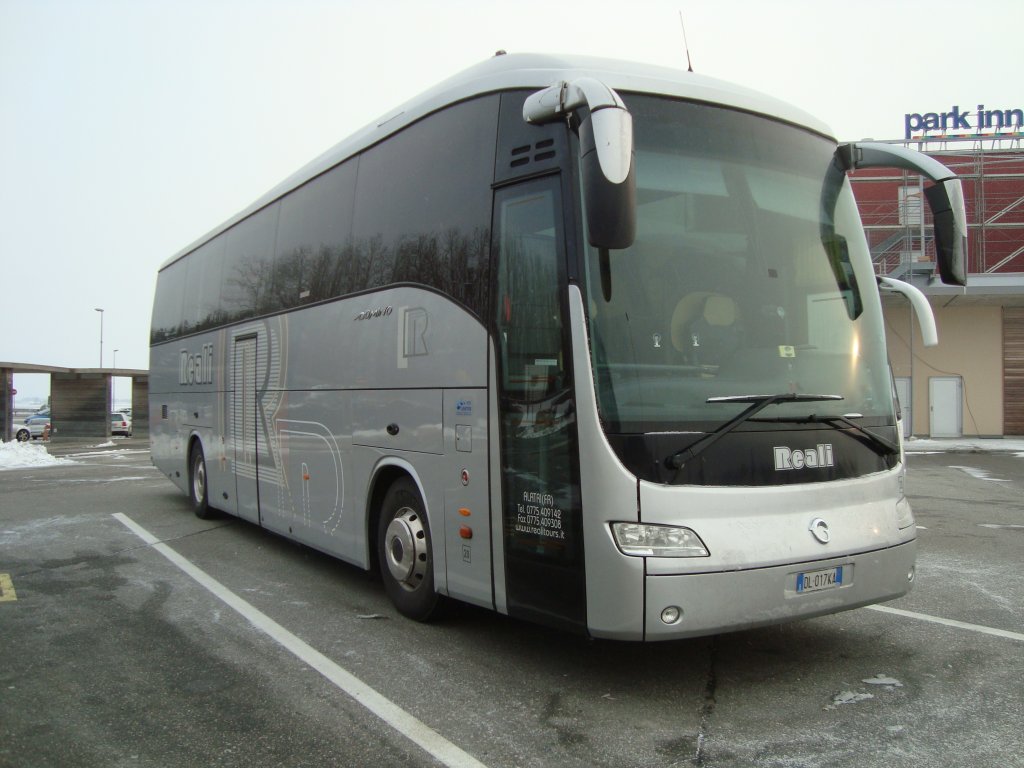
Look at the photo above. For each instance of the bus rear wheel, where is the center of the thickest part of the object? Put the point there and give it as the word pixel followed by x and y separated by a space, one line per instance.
pixel 198 490
pixel 404 551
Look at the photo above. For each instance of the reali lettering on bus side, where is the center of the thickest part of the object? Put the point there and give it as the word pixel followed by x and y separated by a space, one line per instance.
pixel 197 368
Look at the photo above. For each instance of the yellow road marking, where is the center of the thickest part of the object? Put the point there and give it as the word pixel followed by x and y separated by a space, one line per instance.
pixel 7 592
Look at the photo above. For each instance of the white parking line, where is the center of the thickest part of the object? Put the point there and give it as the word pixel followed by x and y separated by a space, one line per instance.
pixel 980 474
pixel 949 622
pixel 410 727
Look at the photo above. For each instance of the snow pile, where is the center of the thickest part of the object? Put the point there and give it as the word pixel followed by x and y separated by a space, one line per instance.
pixel 852 697
pixel 1013 445
pixel 849 697
pixel 889 682
pixel 15 455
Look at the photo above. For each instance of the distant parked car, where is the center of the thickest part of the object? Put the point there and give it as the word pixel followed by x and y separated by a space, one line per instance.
pixel 38 422
pixel 120 424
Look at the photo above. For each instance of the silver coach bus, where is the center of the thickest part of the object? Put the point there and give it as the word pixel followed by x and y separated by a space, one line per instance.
pixel 590 343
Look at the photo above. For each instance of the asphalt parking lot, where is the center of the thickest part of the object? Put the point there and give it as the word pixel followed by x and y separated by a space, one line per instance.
pixel 135 634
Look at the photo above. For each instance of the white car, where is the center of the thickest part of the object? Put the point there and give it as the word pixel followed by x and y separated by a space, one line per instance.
pixel 120 424
pixel 38 422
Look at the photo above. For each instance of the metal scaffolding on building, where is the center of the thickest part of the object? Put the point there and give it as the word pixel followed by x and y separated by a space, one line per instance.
pixel 898 225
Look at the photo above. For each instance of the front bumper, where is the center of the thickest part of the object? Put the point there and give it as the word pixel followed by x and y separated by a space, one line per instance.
pixel 711 603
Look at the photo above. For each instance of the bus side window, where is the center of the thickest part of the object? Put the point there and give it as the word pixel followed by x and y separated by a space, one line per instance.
pixel 529 318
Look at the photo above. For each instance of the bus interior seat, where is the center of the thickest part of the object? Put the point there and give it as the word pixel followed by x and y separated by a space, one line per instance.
pixel 686 309
pixel 706 327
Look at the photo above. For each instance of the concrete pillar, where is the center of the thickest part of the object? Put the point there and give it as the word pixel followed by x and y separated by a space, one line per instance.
pixel 6 403
pixel 80 404
pixel 140 406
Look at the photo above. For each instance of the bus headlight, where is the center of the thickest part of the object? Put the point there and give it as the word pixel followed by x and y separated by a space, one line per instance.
pixel 641 540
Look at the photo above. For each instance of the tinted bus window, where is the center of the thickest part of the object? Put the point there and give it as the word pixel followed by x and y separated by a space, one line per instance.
pixel 314 258
pixel 167 306
pixel 423 204
pixel 202 287
pixel 248 266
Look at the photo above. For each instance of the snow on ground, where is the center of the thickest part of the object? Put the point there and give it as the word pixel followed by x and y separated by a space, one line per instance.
pixel 15 455
pixel 966 445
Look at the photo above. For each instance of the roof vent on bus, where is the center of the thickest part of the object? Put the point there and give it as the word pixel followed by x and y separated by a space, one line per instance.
pixel 524 155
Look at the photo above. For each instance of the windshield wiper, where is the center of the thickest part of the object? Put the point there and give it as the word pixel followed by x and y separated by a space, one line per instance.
pixel 880 445
pixel 758 404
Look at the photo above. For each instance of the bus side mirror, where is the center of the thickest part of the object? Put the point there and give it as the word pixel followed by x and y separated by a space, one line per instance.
pixel 608 171
pixel 607 163
pixel 945 198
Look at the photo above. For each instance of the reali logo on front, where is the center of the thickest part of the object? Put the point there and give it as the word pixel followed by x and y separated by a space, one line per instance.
pixel 810 458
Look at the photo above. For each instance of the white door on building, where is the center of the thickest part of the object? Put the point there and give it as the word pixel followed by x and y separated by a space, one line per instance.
pixel 903 391
pixel 944 399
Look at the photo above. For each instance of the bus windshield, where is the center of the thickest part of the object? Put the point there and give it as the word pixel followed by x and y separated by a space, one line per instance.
pixel 749 276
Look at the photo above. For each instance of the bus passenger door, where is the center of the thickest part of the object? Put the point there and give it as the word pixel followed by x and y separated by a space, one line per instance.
pixel 542 533
pixel 244 423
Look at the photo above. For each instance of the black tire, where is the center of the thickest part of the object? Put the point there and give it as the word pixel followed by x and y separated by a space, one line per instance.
pixel 22 435
pixel 404 551
pixel 198 490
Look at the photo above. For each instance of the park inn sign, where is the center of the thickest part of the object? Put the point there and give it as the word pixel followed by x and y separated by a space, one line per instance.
pixel 957 121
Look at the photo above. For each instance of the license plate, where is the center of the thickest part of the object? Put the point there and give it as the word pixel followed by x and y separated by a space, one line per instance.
pixel 815 581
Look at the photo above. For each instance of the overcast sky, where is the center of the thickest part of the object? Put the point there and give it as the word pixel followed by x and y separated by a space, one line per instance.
pixel 129 129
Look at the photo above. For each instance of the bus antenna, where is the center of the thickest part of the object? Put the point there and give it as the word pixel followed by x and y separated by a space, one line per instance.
pixel 686 45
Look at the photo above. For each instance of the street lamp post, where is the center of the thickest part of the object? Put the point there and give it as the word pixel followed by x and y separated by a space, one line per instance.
pixel 100 310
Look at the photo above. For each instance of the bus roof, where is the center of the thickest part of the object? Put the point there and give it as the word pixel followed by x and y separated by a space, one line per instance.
pixel 527 70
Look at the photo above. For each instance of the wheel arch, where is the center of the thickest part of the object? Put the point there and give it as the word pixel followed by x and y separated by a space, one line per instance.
pixel 192 441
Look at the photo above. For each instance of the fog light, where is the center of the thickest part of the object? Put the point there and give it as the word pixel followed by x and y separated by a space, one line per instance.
pixel 672 615
pixel 910 575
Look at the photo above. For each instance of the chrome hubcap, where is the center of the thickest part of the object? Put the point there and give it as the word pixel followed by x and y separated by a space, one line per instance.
pixel 199 481
pixel 405 548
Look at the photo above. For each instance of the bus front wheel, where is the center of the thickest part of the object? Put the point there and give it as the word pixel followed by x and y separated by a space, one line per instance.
pixel 404 551
pixel 198 490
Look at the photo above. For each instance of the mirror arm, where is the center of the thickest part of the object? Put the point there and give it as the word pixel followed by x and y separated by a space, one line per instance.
pixel 613 125
pixel 867 154
pixel 557 101
pixel 923 310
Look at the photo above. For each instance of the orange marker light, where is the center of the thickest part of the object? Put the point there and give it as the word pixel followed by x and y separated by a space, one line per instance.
pixel 466 532
pixel 464 512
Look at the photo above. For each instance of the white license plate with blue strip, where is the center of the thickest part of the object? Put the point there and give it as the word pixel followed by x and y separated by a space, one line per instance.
pixel 816 581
